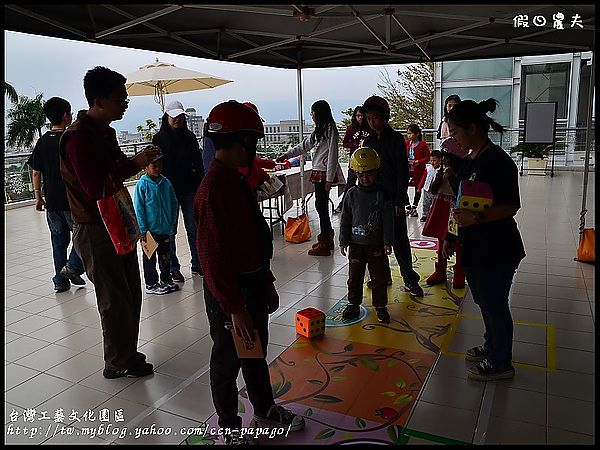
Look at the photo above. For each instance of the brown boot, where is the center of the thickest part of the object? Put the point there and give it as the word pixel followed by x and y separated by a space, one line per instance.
pixel 322 249
pixel 320 238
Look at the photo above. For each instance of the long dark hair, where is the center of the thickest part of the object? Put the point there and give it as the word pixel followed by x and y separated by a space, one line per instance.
pixel 357 126
pixel 469 111
pixel 323 118
pixel 453 97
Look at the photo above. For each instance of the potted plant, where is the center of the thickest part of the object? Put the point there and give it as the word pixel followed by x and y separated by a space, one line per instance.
pixel 536 154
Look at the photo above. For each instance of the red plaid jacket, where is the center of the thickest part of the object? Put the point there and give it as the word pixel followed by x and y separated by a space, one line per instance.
pixel 229 236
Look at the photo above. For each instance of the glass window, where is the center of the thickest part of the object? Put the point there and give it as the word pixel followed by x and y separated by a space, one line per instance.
pixel 545 83
pixel 503 94
pixel 478 69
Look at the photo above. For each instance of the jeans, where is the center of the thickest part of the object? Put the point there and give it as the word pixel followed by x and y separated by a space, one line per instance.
pixel 427 202
pixel 225 364
pixel 118 292
pixel 322 207
pixel 149 264
pixel 490 286
pixel 61 226
pixel 186 203
pixel 374 256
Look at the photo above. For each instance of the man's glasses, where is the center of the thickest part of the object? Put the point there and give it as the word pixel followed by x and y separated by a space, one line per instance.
pixel 122 102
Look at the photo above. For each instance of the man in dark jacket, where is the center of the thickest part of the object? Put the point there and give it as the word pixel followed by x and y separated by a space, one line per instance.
pixel 182 165
pixel 94 167
pixel 391 148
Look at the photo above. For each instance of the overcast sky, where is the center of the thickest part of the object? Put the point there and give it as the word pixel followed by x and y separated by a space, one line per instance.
pixel 56 67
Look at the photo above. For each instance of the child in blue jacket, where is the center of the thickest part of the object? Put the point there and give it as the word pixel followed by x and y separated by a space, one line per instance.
pixel 156 210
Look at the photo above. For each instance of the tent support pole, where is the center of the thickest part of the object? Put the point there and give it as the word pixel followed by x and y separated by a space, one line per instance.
pixel 588 145
pixel 300 127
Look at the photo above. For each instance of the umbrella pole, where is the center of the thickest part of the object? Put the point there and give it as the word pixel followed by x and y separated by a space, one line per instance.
pixel 588 144
pixel 300 127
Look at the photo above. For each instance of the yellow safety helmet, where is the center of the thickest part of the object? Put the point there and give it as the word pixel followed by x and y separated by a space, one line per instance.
pixel 364 159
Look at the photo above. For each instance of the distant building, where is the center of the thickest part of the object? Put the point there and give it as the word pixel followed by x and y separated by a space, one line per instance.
pixel 125 137
pixel 195 123
pixel 286 131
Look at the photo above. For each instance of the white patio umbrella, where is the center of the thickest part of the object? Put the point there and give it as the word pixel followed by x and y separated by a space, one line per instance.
pixel 161 78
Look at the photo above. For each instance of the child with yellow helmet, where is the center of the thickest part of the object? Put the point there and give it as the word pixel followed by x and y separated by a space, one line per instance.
pixel 366 231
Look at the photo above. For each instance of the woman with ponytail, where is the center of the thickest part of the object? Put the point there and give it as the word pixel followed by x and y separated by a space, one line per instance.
pixel 490 243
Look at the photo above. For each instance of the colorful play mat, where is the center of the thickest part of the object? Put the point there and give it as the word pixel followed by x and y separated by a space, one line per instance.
pixel 359 382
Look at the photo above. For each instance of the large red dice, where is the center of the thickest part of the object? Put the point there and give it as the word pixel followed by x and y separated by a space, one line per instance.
pixel 310 322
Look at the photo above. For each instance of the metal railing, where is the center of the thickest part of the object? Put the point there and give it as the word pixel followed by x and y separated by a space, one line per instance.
pixel 570 152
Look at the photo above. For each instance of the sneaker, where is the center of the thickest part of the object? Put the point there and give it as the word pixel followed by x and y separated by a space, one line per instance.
pixel 415 290
pixel 156 289
pixel 278 416
pixel 196 271
pixel 73 277
pixel 170 287
pixel 139 370
pixel 423 219
pixel 413 212
pixel 484 371
pixel 370 283
pixel 62 287
pixel 476 354
pixel 383 315
pixel 235 437
pixel 338 209
pixel 140 357
pixel 351 312
pixel 176 275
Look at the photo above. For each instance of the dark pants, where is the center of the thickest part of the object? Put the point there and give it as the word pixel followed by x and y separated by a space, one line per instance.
pixel 402 252
pixel 351 181
pixel 490 286
pixel 60 224
pixel 150 273
pixel 186 203
pixel 322 207
pixel 225 364
pixel 118 292
pixel 374 256
pixel 416 198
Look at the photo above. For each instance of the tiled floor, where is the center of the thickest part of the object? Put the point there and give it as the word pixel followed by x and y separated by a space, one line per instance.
pixel 53 350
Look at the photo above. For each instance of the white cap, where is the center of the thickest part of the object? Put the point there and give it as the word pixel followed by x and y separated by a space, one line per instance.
pixel 175 109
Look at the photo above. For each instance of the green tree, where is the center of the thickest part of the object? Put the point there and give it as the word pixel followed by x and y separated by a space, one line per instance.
pixel 11 92
pixel 346 120
pixel 148 131
pixel 410 96
pixel 26 119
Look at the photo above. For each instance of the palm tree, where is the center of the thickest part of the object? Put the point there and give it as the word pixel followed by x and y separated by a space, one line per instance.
pixel 11 92
pixel 26 118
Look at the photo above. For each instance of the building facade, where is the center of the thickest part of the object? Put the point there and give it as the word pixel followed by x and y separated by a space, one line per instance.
pixel 563 79
pixel 285 131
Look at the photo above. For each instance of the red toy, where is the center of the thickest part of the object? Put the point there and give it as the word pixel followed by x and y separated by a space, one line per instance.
pixel 310 322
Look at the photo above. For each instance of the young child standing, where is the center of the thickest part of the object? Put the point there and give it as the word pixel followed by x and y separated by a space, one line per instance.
pixel 156 210
pixel 436 226
pixel 367 230
pixel 431 170
pixel 418 155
